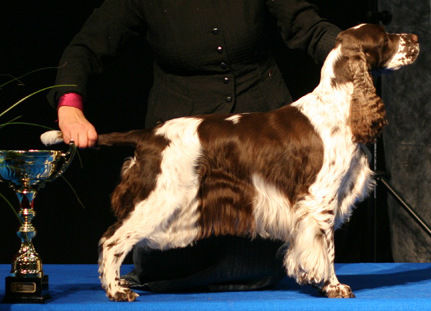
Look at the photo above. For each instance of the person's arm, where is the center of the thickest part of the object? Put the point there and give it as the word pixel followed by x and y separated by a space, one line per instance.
pixel 99 40
pixel 301 27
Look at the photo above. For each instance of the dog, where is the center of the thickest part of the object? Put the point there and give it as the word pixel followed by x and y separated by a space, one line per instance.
pixel 292 174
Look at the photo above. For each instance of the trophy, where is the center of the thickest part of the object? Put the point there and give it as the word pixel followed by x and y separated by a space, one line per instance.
pixel 27 171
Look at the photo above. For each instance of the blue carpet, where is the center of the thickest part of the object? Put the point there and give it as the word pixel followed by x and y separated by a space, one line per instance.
pixel 377 286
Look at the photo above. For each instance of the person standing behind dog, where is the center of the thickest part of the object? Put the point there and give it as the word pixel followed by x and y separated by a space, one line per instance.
pixel 209 57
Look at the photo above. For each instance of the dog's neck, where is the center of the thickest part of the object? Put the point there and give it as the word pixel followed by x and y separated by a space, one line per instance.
pixel 328 98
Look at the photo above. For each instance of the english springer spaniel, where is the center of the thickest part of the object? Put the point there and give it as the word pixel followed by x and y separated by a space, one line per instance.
pixel 293 174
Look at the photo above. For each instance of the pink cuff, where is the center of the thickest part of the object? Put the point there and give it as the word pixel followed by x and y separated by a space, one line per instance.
pixel 71 100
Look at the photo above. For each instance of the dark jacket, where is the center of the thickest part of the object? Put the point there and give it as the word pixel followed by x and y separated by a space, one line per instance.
pixel 209 56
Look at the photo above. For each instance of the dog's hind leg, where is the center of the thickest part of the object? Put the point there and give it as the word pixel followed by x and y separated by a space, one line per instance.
pixel 113 247
pixel 160 226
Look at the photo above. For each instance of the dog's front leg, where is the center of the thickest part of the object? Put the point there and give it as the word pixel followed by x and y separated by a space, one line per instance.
pixel 332 288
pixel 307 257
pixel 310 258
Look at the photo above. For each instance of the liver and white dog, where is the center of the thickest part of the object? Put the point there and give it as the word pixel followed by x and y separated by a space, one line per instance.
pixel 293 174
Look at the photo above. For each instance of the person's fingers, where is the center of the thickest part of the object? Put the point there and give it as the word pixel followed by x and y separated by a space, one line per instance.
pixel 80 139
pixel 79 136
pixel 66 136
pixel 91 136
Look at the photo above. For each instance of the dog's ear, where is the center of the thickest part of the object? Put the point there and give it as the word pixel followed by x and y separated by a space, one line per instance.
pixel 367 112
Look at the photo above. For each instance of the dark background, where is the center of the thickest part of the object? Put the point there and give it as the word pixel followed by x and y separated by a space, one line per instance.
pixel 33 35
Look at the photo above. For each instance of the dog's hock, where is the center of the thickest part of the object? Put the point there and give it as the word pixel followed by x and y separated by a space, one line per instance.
pixel 51 138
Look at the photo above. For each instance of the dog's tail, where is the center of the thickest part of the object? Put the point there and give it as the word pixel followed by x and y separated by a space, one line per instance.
pixel 131 138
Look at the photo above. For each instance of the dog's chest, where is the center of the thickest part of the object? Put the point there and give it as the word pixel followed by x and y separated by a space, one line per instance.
pixel 345 177
pixel 348 179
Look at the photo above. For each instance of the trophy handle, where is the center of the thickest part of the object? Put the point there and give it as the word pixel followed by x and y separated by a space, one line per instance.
pixel 67 159
pixel 68 156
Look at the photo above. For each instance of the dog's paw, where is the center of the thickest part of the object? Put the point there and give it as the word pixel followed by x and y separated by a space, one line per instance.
pixel 337 291
pixel 124 294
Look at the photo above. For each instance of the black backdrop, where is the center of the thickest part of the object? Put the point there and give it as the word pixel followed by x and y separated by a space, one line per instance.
pixel 33 35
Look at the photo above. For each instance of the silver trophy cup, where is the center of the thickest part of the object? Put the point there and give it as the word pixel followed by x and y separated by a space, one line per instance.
pixel 26 172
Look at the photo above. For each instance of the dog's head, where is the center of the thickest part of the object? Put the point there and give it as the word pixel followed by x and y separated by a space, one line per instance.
pixel 362 49
pixel 379 49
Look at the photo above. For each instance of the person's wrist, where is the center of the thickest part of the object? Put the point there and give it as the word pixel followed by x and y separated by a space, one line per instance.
pixel 71 100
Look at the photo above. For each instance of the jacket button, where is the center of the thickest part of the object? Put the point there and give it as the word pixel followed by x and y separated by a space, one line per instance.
pixel 226 80
pixel 220 49
pixel 229 99
pixel 215 30
pixel 223 65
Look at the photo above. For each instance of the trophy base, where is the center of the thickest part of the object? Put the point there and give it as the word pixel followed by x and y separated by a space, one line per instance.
pixel 26 289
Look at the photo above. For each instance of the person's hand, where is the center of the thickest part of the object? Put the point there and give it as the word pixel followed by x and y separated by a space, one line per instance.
pixel 74 125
